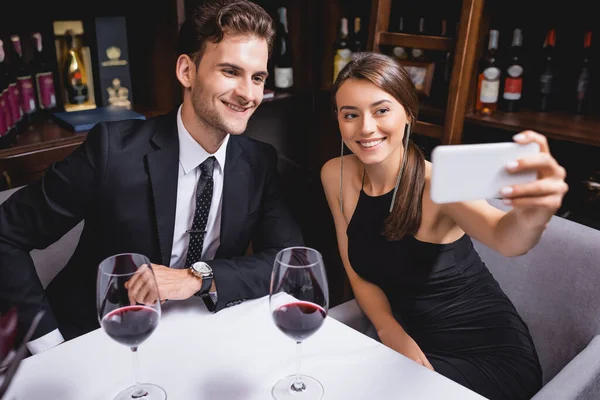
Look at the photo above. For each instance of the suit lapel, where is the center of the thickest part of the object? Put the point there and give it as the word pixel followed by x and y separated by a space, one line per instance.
pixel 235 196
pixel 163 168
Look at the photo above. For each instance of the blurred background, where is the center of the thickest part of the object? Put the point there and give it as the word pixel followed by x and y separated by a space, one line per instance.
pixel 485 70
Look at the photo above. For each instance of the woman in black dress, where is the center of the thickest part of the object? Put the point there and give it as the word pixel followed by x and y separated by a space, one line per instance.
pixel 411 263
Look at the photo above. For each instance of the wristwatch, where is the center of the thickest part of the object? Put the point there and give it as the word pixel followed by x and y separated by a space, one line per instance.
pixel 204 271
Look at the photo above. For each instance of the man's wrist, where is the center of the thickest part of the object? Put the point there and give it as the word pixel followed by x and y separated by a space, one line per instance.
pixel 194 281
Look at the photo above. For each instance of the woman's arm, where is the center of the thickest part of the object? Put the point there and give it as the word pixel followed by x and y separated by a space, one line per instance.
pixel 517 231
pixel 369 296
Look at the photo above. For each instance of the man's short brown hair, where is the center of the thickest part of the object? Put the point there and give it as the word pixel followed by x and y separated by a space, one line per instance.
pixel 211 20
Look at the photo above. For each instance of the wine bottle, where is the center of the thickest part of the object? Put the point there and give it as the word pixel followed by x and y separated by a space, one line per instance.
pixel 44 77
pixel 342 51
pixel 284 72
pixel 441 79
pixel 447 70
pixel 5 112
pixel 488 84
pixel 417 53
pixel 13 103
pixel 356 41
pixel 513 81
pixel 584 77
pixel 400 52
pixel 74 71
pixel 547 75
pixel 24 81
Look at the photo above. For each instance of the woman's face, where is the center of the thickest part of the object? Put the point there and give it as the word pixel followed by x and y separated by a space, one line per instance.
pixel 371 120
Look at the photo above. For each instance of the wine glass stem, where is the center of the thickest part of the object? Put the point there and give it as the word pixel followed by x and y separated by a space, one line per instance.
pixel 139 391
pixel 298 385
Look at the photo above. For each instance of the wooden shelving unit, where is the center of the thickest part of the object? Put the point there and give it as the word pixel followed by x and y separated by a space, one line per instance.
pixel 464 48
pixel 473 26
pixel 556 125
pixel 408 40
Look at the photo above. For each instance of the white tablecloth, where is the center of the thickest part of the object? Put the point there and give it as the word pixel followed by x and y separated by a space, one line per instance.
pixel 235 354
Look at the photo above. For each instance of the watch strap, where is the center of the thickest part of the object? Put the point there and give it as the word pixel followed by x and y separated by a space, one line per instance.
pixel 206 284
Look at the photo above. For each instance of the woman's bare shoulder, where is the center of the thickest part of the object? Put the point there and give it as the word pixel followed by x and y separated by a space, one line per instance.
pixel 330 172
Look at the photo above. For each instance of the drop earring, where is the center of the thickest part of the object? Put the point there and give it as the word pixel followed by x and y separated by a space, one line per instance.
pixel 407 131
pixel 341 176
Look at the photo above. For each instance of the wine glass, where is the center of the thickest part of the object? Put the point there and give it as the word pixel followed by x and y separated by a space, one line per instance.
pixel 299 302
pixel 124 320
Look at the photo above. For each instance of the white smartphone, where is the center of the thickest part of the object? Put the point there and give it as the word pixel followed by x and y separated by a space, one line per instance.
pixel 477 171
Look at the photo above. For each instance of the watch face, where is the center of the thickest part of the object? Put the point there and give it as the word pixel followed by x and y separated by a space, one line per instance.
pixel 202 268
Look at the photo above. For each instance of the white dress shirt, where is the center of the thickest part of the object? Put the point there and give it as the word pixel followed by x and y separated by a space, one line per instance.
pixel 191 155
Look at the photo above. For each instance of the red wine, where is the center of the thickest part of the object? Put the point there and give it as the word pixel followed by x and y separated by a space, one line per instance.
pixel 299 320
pixel 130 325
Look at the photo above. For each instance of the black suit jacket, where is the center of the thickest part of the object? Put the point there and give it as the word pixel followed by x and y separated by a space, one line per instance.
pixel 123 182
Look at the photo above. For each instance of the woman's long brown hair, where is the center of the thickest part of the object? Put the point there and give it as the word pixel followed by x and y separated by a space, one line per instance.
pixel 388 75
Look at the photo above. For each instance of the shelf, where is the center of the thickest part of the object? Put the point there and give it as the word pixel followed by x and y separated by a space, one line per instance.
pixel 430 111
pixel 279 96
pixel 431 130
pixel 416 41
pixel 555 125
pixel 42 137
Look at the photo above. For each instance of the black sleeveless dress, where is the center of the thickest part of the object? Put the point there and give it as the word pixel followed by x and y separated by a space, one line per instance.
pixel 449 303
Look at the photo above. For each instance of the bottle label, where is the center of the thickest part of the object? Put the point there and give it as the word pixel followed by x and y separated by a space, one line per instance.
pixel 416 53
pixel 284 77
pixel 78 94
pixel 27 94
pixel 489 91
pixel 342 57
pixel 400 53
pixel 46 92
pixel 546 83
pixel 491 73
pixel 7 109
pixel 583 84
pixel 513 88
pixel 515 71
pixel 15 104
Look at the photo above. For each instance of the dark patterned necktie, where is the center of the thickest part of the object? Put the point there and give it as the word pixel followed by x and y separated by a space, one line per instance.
pixel 204 193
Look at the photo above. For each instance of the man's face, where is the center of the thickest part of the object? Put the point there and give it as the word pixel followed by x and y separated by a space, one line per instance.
pixel 229 82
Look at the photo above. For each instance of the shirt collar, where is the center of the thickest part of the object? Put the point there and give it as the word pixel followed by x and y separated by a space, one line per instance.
pixel 191 154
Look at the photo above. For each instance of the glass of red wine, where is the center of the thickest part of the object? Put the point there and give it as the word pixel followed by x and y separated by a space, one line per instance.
pixel 299 302
pixel 125 320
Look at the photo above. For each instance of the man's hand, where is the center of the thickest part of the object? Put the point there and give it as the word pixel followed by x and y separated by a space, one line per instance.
pixel 172 284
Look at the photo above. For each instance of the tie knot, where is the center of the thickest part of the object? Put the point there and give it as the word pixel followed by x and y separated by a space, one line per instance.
pixel 208 166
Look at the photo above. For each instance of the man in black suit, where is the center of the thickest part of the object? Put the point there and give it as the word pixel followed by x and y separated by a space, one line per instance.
pixel 183 180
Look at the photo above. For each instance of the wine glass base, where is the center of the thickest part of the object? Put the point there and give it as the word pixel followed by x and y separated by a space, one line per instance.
pixel 153 392
pixel 313 390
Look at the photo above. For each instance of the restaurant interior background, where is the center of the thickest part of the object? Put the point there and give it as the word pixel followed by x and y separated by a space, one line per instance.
pixel 299 121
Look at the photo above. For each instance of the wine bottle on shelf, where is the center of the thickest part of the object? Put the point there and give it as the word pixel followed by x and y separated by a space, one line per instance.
pixel 284 72
pixel 43 76
pixel 443 72
pixel 5 113
pixel 547 75
pixel 400 52
pixel 24 81
pixel 488 84
pixel 356 40
pixel 513 75
pixel 418 54
pixel 76 87
pixel 342 50
pixel 447 70
pixel 584 77
pixel 12 93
